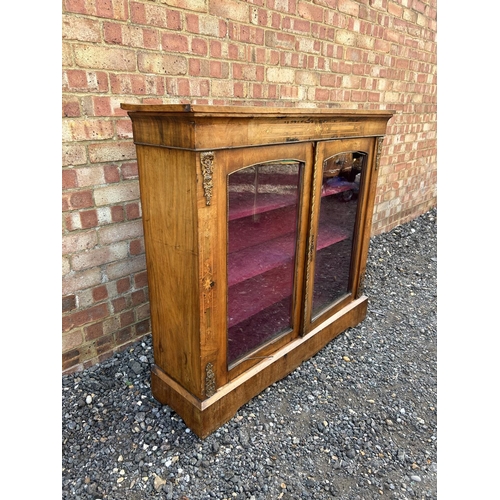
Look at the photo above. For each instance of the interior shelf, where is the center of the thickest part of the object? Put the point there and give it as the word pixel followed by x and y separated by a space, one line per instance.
pixel 246 204
pixel 252 261
pixel 274 285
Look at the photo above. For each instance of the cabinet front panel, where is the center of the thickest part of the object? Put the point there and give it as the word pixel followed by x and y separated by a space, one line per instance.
pixel 341 170
pixel 267 192
pixel 264 201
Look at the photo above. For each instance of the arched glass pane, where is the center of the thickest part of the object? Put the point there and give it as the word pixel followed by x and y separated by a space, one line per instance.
pixel 262 235
pixel 338 208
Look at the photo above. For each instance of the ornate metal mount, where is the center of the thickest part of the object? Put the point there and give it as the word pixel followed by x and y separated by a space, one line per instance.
pixel 207 162
pixel 380 141
pixel 209 380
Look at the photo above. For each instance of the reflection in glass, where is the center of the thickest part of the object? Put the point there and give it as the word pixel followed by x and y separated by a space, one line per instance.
pixel 262 233
pixel 338 209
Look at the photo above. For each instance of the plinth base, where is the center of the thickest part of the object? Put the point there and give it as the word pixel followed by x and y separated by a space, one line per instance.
pixel 204 417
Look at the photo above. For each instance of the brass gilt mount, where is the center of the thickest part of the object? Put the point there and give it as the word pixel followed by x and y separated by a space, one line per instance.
pixel 209 380
pixel 207 161
pixel 380 141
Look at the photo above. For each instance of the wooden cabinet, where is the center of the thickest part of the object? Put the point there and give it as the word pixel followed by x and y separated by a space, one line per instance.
pixel 256 224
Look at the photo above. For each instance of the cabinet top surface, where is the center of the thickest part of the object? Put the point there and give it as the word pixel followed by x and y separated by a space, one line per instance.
pixel 250 111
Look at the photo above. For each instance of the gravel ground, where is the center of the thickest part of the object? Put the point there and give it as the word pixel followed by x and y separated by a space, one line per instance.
pixel 357 421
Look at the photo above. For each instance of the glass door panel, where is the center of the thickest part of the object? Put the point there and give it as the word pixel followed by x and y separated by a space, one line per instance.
pixel 263 218
pixel 341 175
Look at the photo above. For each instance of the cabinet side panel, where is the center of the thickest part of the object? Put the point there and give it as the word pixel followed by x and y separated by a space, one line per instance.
pixel 168 197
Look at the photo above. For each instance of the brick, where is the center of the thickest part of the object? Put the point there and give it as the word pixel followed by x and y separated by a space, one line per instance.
pixel 129 171
pixel 111 151
pixel 222 88
pixel 69 303
pixel 199 47
pixel 280 40
pixel 70 107
pixel 79 199
pixel 248 72
pixel 116 193
pixel 287 6
pixel 80 280
pixel 141 279
pixel 280 75
pixel 120 232
pixel 93 332
pixel 123 285
pixel 348 7
pixel 311 12
pixel 174 42
pixel 100 293
pixel 143 327
pixel 307 78
pixel 96 57
pixel 80 29
pixel 343 37
pixel 132 265
pixel 162 64
pixel 86 130
pixel 120 304
pixel 99 256
pixel 113 9
pixel 138 297
pixel 246 34
pixel 124 335
pixel 230 9
pixel 143 312
pixel 111 174
pixel 69 179
pixel 133 211
pixel 88 219
pixel 117 214
pixel 70 341
pixel 127 318
pixel 86 316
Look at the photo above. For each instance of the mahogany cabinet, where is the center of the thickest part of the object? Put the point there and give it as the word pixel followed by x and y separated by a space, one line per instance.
pixel 257 225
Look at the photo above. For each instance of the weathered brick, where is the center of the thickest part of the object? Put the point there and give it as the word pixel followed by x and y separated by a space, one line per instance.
pixel 99 256
pixel 120 232
pixel 143 327
pixel 134 264
pixel 116 193
pixel 127 318
pixel 229 9
pixel 348 7
pixel 111 151
pixel 80 280
pixel 86 316
pixel 81 29
pixel 68 303
pixel 97 57
pixel 174 42
pixel 280 75
pixel 70 106
pixel 87 130
pixel 166 64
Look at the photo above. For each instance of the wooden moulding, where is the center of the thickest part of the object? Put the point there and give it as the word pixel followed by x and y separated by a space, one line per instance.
pixel 192 126
pixel 204 417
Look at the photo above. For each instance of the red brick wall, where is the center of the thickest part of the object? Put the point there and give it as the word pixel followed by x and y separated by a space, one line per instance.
pixel 371 54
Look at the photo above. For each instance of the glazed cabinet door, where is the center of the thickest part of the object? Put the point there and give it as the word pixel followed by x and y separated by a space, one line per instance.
pixel 267 193
pixel 338 212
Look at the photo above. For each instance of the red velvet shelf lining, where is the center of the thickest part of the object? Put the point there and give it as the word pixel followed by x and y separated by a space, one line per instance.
pixel 258 259
pixel 246 204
